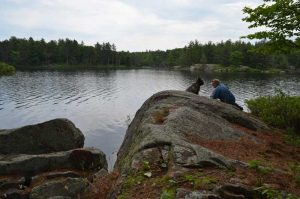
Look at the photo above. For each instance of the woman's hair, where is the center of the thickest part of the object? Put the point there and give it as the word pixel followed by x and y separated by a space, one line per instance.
pixel 216 81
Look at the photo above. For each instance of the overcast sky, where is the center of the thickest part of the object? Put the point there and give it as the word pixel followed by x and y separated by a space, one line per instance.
pixel 134 25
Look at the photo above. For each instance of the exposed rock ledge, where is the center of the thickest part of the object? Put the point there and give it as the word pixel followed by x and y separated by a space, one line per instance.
pixel 181 145
pixel 166 120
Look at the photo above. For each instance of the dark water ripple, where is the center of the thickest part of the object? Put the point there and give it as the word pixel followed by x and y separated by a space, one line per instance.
pixel 101 103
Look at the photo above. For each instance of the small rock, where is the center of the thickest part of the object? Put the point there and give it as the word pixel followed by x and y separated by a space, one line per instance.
pixel 236 191
pixel 148 174
pixel 85 159
pixel 15 194
pixel 230 195
pixel 100 173
pixel 181 193
pixel 56 174
pixel 70 187
pixel 187 194
pixel 67 174
pixel 8 183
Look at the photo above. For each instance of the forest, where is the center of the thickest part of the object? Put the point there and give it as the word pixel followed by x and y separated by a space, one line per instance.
pixel 26 53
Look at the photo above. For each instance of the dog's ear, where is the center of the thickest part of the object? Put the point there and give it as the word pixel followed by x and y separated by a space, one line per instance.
pixel 200 81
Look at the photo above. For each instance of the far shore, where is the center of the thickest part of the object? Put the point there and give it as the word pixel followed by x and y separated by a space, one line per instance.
pixel 206 68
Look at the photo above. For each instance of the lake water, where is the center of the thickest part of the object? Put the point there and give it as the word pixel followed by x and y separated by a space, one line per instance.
pixel 102 103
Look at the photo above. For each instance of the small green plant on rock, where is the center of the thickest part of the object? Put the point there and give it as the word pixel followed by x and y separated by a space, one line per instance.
pixel 129 182
pixel 198 181
pixel 258 167
pixel 230 172
pixel 146 169
pixel 254 164
pixel 133 180
pixel 295 169
pixel 146 165
pixel 261 170
pixel 163 164
pixel 169 193
pixel 259 182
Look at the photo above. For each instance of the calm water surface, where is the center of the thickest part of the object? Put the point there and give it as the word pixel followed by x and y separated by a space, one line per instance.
pixel 101 103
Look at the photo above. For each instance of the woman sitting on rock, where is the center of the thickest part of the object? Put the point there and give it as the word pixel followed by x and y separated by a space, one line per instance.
pixel 223 93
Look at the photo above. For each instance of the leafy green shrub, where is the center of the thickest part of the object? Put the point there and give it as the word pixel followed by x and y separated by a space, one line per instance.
pixel 6 69
pixel 281 110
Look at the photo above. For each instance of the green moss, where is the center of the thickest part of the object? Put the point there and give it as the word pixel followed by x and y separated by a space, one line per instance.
pixel 133 180
pixel 169 193
pixel 258 166
pixel 6 69
pixel 164 181
pixel 166 184
pixel 170 186
pixel 129 182
pixel 254 164
pixel 198 180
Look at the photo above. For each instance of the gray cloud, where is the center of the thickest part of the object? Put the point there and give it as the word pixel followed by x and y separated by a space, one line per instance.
pixel 131 24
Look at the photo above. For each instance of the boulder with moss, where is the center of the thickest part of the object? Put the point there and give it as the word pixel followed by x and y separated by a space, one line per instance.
pixel 181 145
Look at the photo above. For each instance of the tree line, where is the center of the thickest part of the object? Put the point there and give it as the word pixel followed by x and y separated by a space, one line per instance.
pixel 29 52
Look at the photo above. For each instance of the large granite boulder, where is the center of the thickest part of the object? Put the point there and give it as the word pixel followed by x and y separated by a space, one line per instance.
pixel 181 145
pixel 161 127
pixel 85 159
pixel 51 136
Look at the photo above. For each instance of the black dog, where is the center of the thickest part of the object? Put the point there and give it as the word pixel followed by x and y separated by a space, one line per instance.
pixel 195 87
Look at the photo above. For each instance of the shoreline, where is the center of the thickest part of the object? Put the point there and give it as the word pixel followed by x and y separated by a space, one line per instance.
pixel 205 68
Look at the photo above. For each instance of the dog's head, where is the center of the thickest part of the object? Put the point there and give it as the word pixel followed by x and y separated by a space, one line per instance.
pixel 200 81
